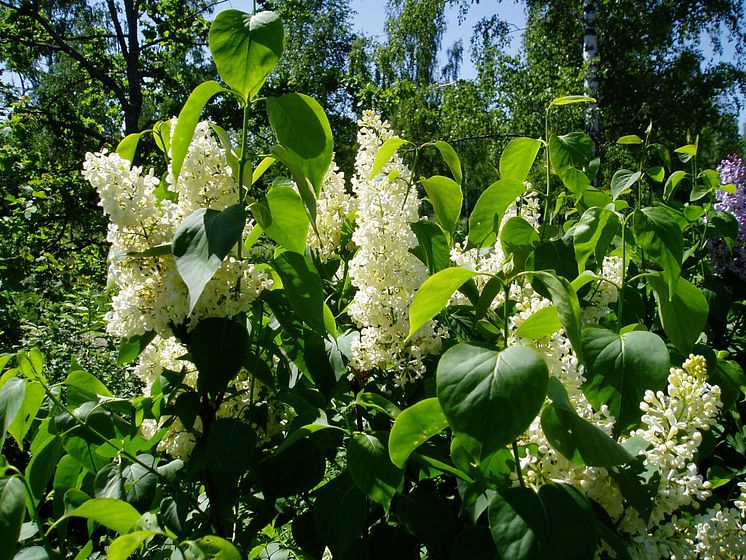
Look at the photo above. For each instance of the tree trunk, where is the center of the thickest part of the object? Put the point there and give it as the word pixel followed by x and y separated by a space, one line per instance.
pixel 590 59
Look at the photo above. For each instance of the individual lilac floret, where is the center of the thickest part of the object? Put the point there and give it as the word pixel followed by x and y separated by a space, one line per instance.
pixel 732 171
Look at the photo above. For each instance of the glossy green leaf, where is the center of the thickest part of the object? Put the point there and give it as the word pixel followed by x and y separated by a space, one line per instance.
pixel 487 215
pixel 42 466
pixel 289 225
pixel 490 396
pixel 545 322
pixel 117 515
pixel 660 235
pixel 306 191
pixel 620 368
pixel 186 124
pixel 303 287
pixel 32 401
pixel 629 139
pixel 622 181
pixel 339 512
pixel 565 300
pixel 518 157
pixel 11 402
pixel 32 553
pixel 128 146
pixel 217 347
pixel 371 468
pixel 12 509
pixel 131 348
pixel 385 153
pixel 434 294
pixel 593 234
pixel 570 156
pixel 213 547
pixel 450 156
pixel 82 387
pixel 656 173
pixel 124 546
pixel 673 182
pixel 683 314
pixel 202 241
pixel 518 239
pixel 31 364
pixel 302 128
pixel 446 197
pixel 413 427
pixel 576 438
pixel 570 99
pixel 435 249
pixel 246 48
pixel 555 524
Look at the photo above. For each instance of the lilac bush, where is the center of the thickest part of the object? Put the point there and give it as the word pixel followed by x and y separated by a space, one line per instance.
pixel 732 171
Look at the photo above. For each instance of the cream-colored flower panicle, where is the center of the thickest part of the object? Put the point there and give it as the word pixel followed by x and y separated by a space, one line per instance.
pixel 150 294
pixel 383 270
pixel 333 206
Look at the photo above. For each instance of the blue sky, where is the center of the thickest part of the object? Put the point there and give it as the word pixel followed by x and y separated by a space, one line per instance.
pixel 371 17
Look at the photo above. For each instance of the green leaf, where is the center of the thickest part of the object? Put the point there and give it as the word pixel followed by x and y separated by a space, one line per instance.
pixel 162 135
pixel 302 128
pixel 565 299
pixel 620 368
pixel 11 402
pixel 31 364
pixel 450 156
pixel 660 235
pixel 32 400
pixel 217 548
pixel 434 244
pixel 571 155
pixel 303 287
pixel 638 483
pixel 371 469
pixel 202 241
pixel 131 348
pixel 556 523
pixel 385 153
pixel 246 48
pixel 446 197
pixel 656 173
pixel 306 192
pixel 42 466
pixel 518 158
pixel 518 238
pixel 128 146
pixel 339 513
pixel 83 387
pixel 629 139
pixel 230 446
pixel 673 182
pixel 117 515
pixel 12 509
pixel 485 219
pixel 545 322
pixel 218 347
pixel 122 547
pixel 187 122
pixel 413 427
pixel 32 553
pixel 576 438
pixel 622 182
pixel 570 99
pixel 593 234
pixel 491 397
pixel 683 313
pixel 429 518
pixel 434 294
pixel 289 225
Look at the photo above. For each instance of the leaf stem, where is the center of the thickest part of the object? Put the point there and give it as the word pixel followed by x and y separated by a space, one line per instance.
pixel 518 464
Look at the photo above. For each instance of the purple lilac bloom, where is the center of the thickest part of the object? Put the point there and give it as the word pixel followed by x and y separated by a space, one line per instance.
pixel 733 171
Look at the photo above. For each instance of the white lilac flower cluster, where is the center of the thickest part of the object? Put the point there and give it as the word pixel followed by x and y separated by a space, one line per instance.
pixel 150 294
pixel 333 206
pixel 383 270
pixel 178 440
